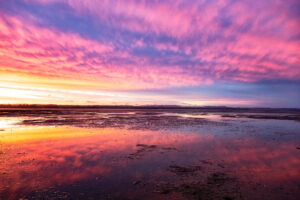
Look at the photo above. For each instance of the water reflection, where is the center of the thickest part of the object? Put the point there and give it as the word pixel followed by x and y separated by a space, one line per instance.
pixel 6 123
pixel 68 162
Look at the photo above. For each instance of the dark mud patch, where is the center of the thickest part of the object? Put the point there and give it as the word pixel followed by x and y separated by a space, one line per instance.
pixel 48 194
pixel 206 162
pixel 204 180
pixel 184 170
pixel 168 149
pixel 142 149
pixel 215 186
pixel 295 117
pixel 146 146
pixel 128 121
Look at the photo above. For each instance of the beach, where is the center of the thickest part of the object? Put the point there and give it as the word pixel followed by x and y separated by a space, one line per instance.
pixel 149 154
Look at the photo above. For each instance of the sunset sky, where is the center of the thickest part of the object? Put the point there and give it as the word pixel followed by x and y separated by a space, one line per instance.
pixel 179 52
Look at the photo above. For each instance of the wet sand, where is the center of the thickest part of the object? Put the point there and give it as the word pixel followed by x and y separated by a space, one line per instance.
pixel 149 154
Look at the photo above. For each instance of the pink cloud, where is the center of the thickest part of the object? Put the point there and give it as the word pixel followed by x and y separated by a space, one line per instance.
pixel 205 42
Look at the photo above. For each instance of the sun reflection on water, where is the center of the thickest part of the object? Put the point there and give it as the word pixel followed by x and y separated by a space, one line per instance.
pixel 6 123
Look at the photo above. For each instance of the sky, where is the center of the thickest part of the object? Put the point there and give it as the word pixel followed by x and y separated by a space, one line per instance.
pixel 240 53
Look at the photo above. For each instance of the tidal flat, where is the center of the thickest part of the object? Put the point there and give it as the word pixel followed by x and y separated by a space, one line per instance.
pixel 133 153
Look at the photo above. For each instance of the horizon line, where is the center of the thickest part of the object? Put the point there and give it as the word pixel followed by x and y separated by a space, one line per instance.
pixel 149 106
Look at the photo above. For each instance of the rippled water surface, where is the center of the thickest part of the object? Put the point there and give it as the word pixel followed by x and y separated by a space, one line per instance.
pixel 149 154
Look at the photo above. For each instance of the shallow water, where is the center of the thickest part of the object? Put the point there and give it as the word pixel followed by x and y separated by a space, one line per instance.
pixel 141 154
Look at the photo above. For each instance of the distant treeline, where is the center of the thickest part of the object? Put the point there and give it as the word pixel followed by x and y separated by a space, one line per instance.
pixel 105 106
pixel 200 108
